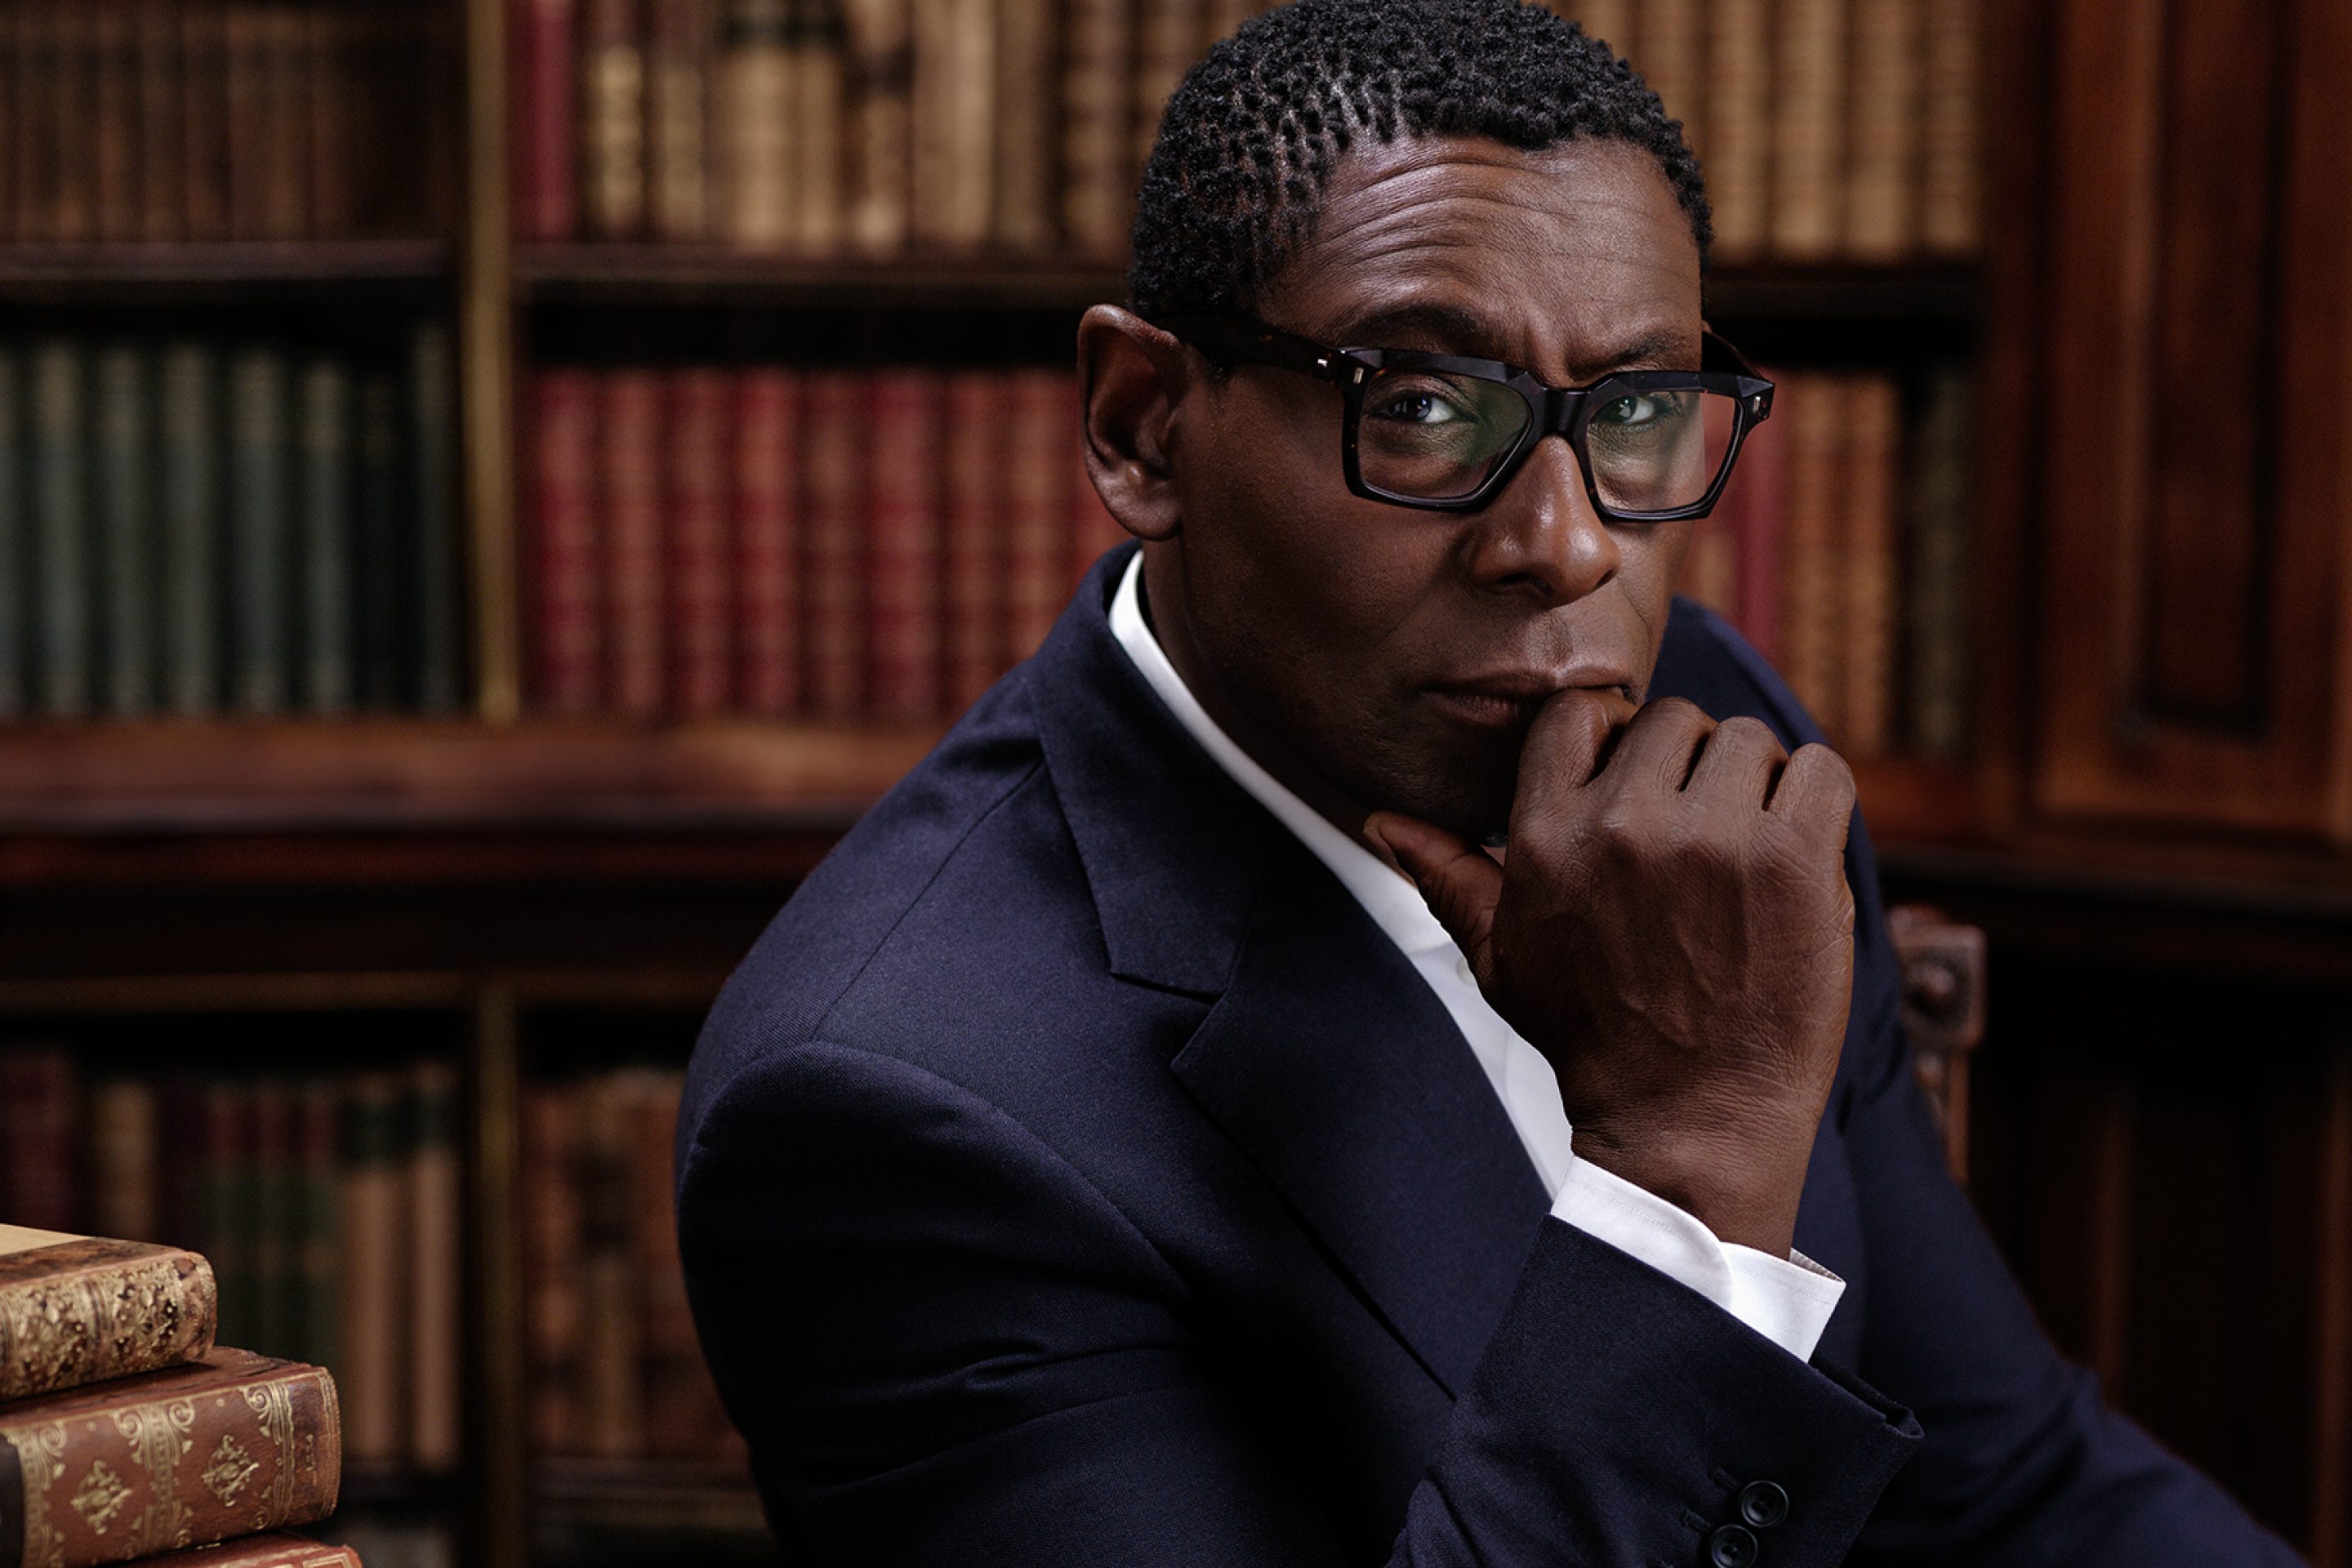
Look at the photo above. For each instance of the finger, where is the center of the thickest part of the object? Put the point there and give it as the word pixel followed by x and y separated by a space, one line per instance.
pixel 1660 743
pixel 1739 763
pixel 1566 744
pixel 1816 784
pixel 1458 880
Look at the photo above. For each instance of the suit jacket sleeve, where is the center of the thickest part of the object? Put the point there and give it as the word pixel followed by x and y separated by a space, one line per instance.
pixel 947 1347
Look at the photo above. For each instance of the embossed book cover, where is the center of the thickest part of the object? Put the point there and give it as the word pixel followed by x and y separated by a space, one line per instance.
pixel 77 1309
pixel 231 1444
pixel 276 1550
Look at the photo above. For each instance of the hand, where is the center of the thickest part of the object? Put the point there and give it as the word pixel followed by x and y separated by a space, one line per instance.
pixel 1672 928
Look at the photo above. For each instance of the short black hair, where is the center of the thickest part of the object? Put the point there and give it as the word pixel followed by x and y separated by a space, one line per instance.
pixel 1249 142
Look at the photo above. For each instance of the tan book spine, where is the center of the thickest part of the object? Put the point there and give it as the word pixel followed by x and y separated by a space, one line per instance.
pixel 122 1170
pixel 80 1309
pixel 754 151
pixel 1164 45
pixel 75 64
pixel 683 32
pixel 555 1313
pixel 227 1445
pixel 1812 611
pixel 1023 222
pixel 1737 156
pixel 1808 127
pixel 1883 147
pixel 955 95
pixel 1095 213
pixel 277 1549
pixel 436 1263
pixel 819 213
pixel 1866 555
pixel 1610 21
pixel 612 118
pixel 1670 44
pixel 376 1259
pixel 1951 167
pixel 880 54
pixel 614 1386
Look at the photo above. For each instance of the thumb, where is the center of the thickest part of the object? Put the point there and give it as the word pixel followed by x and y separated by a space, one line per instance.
pixel 1459 880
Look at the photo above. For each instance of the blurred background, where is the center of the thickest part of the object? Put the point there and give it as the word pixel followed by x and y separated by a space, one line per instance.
pixel 488 489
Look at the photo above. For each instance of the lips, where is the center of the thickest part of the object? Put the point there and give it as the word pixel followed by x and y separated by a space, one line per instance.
pixel 1508 700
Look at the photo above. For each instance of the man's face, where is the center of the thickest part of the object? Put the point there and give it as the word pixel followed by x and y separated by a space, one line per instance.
pixel 1382 658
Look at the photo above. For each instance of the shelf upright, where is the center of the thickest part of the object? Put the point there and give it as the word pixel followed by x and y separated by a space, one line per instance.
pixel 486 355
pixel 501 1493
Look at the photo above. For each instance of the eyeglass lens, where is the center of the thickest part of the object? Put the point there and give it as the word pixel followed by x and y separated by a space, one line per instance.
pixel 1440 436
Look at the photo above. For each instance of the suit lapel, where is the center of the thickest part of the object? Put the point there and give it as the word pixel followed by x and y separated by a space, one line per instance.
pixel 1325 1056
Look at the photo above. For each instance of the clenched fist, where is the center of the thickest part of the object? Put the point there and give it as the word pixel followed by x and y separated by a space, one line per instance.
pixel 1670 926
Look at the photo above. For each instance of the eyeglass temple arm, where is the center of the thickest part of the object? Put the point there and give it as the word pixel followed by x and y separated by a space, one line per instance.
pixel 1224 339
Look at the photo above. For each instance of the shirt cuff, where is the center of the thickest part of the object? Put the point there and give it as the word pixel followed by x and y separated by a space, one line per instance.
pixel 1787 1299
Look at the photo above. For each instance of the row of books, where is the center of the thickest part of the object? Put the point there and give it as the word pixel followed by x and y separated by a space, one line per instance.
pixel 129 1433
pixel 191 526
pixel 616 1371
pixel 846 126
pixel 151 121
pixel 770 542
pixel 1840 552
pixel 1827 129
pixel 329 1207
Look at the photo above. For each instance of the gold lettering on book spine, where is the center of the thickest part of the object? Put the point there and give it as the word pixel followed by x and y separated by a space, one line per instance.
pixel 41 1455
pixel 160 1436
pixel 274 1403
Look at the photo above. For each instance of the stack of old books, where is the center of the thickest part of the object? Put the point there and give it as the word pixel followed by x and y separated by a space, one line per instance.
pixel 126 1435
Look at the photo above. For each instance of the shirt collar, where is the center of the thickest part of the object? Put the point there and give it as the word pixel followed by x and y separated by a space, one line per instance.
pixel 1386 894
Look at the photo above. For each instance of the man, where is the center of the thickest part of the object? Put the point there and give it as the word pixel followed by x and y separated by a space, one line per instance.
pixel 1109 1157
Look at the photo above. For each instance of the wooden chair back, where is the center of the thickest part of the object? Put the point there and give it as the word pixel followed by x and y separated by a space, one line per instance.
pixel 1943 1013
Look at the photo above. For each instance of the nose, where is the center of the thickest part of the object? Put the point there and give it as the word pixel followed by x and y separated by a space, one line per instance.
pixel 1540 537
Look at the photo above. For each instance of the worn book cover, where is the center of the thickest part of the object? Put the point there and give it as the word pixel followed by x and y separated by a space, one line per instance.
pixel 78 1309
pixel 974 541
pixel 766 505
pixel 833 512
pixel 565 623
pixel 630 471
pixel 903 534
pixel 277 1549
pixel 229 1445
pixel 694 479
pixel 547 201
pixel 1739 151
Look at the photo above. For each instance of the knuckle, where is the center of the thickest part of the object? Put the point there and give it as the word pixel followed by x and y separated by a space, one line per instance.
pixel 1746 730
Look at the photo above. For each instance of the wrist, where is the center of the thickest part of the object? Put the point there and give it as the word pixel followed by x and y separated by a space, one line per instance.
pixel 1729 1185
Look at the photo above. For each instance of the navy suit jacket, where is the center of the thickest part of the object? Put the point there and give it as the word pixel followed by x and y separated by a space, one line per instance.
pixel 1074 1174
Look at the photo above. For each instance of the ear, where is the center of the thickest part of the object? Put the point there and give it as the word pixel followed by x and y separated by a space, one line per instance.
pixel 1133 378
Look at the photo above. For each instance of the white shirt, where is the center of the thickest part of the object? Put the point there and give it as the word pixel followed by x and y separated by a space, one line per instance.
pixel 1788 1300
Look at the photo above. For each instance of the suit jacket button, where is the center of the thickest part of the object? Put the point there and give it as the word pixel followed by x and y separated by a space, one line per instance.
pixel 1733 1546
pixel 1763 1504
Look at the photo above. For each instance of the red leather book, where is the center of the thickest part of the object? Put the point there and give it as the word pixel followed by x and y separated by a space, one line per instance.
pixel 276 1550
pixel 973 540
pixel 767 518
pixel 631 501
pixel 696 480
pixel 903 544
pixel 204 124
pixel 555 1309
pixel 38 1095
pixel 564 629
pixel 835 514
pixel 80 1309
pixel 1756 499
pixel 228 1445
pixel 1040 419
pixel 541 37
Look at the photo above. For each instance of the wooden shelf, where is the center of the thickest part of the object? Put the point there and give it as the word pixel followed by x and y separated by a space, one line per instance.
pixel 1907 800
pixel 226 269
pixel 380 774
pixel 1949 292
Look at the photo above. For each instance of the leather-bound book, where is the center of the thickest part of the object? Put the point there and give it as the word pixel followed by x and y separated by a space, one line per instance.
pixel 1094 139
pixel 754 155
pixel 1867 554
pixel 123 1170
pixel 814 53
pixel 972 540
pixel 115 152
pixel 631 438
pixel 1758 502
pixel 78 1309
pixel 335 78
pixel 766 504
pixel 35 104
pixel 545 72
pixel 612 118
pixel 834 511
pixel 191 501
pixel 880 54
pixel 436 1264
pixel 1610 21
pixel 677 116
pixel 1739 151
pixel 1165 47
pixel 955 121
pixel 1812 603
pixel 555 1308
pixel 903 535
pixel 1808 127
pixel 75 62
pixel 1040 420
pixel 374 1258
pixel 1883 140
pixel 565 628
pixel 1025 222
pixel 1669 50
pixel 277 1549
pixel 695 478
pixel 203 124
pixel 245 64
pixel 228 1445
pixel 286 144
pixel 614 1386
pixel 123 487
pixel 1951 171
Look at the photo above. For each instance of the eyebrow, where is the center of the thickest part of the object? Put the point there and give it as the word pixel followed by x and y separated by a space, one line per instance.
pixel 1466 331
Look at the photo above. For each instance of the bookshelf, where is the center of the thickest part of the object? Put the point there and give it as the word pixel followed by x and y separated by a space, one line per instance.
pixel 493 868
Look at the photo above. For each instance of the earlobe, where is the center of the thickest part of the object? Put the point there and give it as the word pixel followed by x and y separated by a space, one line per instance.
pixel 1133 378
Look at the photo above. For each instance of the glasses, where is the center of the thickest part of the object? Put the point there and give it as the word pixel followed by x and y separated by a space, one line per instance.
pixel 1446 434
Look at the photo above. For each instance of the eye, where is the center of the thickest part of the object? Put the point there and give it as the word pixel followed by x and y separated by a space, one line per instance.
pixel 1631 412
pixel 1417 406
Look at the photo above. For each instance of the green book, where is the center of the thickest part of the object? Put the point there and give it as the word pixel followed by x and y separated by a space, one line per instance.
pixel 432 436
pixel 15 551
pixel 379 570
pixel 1936 600
pixel 189 582
pixel 61 577
pixel 124 476
pixel 260 533
pixel 326 551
